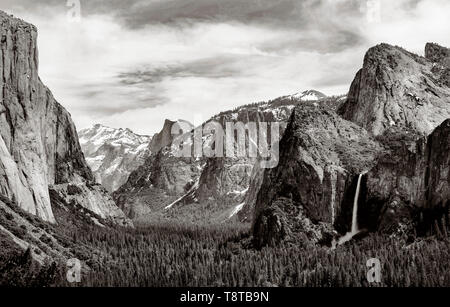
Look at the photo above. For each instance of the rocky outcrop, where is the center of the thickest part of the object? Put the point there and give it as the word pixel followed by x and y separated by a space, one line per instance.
pixel 400 103
pixel 437 54
pixel 440 56
pixel 246 213
pixel 396 88
pixel 162 178
pixel 159 181
pixel 163 138
pixel 320 154
pixel 398 186
pixel 412 178
pixel 39 145
pixel 91 197
pixel 113 153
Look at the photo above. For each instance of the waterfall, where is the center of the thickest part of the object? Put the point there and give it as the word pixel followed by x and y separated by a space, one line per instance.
pixel 354 230
pixel 333 180
pixel 355 207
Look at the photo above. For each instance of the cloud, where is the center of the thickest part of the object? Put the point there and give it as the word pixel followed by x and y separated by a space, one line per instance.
pixel 213 67
pixel 139 13
pixel 134 63
pixel 411 24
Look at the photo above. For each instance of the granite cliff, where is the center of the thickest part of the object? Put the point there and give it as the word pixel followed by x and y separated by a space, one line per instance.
pixel 39 147
pixel 393 128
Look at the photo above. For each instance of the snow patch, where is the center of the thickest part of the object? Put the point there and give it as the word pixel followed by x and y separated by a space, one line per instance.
pixel 236 210
pixel 194 187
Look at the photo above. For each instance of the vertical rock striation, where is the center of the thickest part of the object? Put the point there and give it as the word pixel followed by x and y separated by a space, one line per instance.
pixel 396 88
pixel 39 145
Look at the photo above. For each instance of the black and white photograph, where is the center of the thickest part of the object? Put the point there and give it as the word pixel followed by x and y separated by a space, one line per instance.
pixel 224 148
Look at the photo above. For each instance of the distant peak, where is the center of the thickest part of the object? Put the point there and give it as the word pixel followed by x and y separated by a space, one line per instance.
pixel 313 92
pixel 168 122
pixel 379 51
pixel 309 95
pixel 100 128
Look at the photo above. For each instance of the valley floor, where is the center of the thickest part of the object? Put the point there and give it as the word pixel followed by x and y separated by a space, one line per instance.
pixel 185 255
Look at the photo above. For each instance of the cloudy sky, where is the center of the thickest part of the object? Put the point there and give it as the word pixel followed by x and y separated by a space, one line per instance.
pixel 134 63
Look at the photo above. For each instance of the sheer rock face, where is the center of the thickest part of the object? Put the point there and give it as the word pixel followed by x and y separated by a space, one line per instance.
pixel 227 179
pixel 113 153
pixel 163 138
pixel 39 145
pixel 159 180
pixel 437 172
pixel 413 177
pixel 400 184
pixel 401 103
pixel 246 214
pixel 396 88
pixel 320 154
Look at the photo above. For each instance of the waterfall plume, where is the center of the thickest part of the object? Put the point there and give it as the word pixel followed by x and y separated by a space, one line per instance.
pixel 354 227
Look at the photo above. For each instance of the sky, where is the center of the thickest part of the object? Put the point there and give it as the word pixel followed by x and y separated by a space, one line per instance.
pixel 132 64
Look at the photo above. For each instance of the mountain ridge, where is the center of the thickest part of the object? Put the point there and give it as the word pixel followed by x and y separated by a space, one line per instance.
pixel 309 95
pixel 113 153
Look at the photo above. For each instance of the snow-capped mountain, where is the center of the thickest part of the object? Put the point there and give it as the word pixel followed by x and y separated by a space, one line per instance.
pixel 211 187
pixel 190 189
pixel 113 153
pixel 309 95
